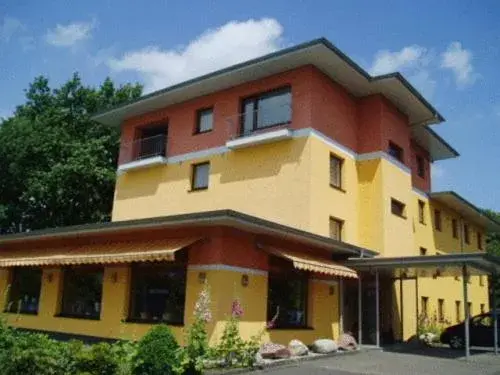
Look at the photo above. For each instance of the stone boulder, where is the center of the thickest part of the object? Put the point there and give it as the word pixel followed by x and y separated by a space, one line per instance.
pixel 324 346
pixel 297 348
pixel 274 351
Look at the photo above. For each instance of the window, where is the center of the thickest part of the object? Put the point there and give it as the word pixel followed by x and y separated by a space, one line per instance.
pixel 466 234
pixel 200 174
pixel 441 309
pixel 458 311
pixel 437 220
pixel 152 142
pixel 482 308
pixel 420 166
pixel 24 292
pixel 421 212
pixel 396 152
pixel 82 292
pixel 481 280
pixel 204 120
pixel 398 208
pixel 336 171
pixel 425 306
pixel 287 295
pixel 159 292
pixel 423 251
pixel 269 109
pixel 479 241
pixel 454 228
pixel 336 226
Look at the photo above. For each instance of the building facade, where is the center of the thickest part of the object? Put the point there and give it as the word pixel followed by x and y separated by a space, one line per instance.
pixel 305 139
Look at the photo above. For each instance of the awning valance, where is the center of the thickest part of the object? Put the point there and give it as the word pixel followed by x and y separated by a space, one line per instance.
pixel 104 253
pixel 312 263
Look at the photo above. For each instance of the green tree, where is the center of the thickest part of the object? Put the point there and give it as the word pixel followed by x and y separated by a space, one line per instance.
pixel 57 166
pixel 493 247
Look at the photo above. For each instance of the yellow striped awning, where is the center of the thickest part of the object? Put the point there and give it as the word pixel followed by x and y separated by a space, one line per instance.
pixel 103 253
pixel 312 263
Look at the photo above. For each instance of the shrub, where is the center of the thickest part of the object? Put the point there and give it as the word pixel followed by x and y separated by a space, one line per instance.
pixel 98 359
pixel 156 353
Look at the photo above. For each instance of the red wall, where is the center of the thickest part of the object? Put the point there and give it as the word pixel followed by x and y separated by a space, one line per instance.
pixel 417 181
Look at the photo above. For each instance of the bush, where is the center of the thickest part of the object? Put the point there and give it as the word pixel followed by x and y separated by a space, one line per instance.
pixel 156 353
pixel 98 359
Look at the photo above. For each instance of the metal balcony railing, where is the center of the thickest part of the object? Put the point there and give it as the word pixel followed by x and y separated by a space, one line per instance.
pixel 143 148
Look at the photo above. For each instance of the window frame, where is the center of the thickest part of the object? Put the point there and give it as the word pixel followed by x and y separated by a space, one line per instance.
pixel 193 176
pixel 454 228
pixel 11 306
pixel 438 220
pixel 399 151
pixel 65 273
pixel 458 311
pixel 199 114
pixel 441 310
pixel 340 223
pixel 398 203
pixel 424 302
pixel 340 163
pixel 420 166
pixel 287 89
pixel 421 212
pixel 466 234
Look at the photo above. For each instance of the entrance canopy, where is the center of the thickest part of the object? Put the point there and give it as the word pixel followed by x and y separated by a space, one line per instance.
pixel 104 253
pixel 429 265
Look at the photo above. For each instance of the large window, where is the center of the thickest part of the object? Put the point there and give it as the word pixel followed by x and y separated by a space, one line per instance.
pixel 199 176
pixel 82 292
pixel 24 293
pixel 287 295
pixel 398 208
pixel 158 292
pixel 152 142
pixel 269 109
pixel 336 171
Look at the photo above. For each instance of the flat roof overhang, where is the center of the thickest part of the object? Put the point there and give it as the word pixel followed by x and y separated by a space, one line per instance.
pixel 229 218
pixel 466 209
pixel 319 52
pixel 429 265
pixel 437 147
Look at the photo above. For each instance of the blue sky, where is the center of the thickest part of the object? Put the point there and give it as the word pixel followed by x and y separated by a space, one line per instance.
pixel 448 50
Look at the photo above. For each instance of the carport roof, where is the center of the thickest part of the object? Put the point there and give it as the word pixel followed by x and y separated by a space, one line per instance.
pixel 429 265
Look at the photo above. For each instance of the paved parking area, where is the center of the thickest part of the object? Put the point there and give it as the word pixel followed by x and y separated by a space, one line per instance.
pixel 376 362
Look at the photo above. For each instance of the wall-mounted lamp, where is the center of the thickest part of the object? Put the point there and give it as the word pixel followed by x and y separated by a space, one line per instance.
pixel 202 277
pixel 244 280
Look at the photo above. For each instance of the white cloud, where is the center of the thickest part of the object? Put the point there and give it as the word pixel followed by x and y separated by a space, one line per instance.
pixel 217 48
pixel 69 35
pixel 459 60
pixel 410 57
pixel 9 27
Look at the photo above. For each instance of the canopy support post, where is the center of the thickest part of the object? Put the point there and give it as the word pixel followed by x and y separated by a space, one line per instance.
pixel 341 305
pixel 467 312
pixel 360 312
pixel 495 316
pixel 377 306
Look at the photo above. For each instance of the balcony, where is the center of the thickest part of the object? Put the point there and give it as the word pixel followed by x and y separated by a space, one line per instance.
pixel 143 153
pixel 259 126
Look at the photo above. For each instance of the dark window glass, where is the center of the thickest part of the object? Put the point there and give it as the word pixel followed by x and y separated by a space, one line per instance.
pixel 420 166
pixel 24 293
pixel 421 212
pixel 437 219
pixel 200 176
pixel 158 292
pixel 205 120
pixel 454 228
pixel 82 292
pixel 398 208
pixel 152 142
pixel 287 295
pixel 336 171
pixel 466 234
pixel 396 152
pixel 267 110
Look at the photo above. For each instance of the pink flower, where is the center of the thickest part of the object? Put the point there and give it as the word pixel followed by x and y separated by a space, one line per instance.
pixel 236 309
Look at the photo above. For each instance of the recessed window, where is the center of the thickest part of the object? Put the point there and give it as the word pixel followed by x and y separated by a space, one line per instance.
pixel 441 310
pixel 420 166
pixel 424 301
pixel 200 176
pixel 437 220
pixel 482 308
pixel 82 292
pixel 398 208
pixel 152 142
pixel 466 234
pixel 479 241
pixel 458 311
pixel 24 292
pixel 158 292
pixel 336 227
pixel 396 152
pixel 266 110
pixel 287 295
pixel 454 228
pixel 421 212
pixel 336 164
pixel 423 251
pixel 204 120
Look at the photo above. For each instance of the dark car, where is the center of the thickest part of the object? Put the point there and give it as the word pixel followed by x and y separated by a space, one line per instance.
pixel 480 332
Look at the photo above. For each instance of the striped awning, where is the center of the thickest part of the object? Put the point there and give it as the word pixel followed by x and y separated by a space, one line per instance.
pixel 312 263
pixel 103 253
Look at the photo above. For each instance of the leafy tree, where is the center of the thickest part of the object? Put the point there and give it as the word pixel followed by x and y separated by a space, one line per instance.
pixel 57 166
pixel 493 247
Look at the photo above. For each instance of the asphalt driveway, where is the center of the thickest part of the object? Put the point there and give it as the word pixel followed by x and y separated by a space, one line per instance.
pixel 376 362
